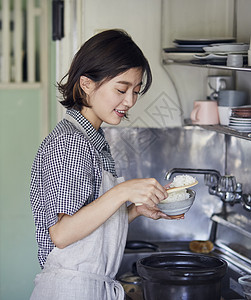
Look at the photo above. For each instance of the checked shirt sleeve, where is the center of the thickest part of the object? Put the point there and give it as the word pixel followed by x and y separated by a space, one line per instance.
pixel 67 176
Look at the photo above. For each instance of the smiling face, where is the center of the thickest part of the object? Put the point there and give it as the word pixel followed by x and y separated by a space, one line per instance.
pixel 112 100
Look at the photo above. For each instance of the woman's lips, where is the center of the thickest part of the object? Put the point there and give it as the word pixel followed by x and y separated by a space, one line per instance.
pixel 120 113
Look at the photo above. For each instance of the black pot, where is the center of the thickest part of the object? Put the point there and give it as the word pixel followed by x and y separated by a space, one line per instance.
pixel 181 276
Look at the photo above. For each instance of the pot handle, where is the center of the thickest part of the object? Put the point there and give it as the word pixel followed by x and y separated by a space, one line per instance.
pixel 134 245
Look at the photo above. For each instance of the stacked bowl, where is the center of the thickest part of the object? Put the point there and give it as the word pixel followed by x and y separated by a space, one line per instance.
pixel 240 118
pixel 229 100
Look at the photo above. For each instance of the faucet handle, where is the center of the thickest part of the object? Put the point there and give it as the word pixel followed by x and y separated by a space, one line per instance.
pixel 227 184
pixel 238 187
pixel 211 180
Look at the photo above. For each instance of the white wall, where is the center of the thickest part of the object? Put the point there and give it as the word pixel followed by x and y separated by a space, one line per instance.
pixel 163 105
pixel 244 35
pixel 174 88
pixel 142 20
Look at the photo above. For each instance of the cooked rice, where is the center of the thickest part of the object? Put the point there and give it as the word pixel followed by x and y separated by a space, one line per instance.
pixel 182 180
pixel 177 196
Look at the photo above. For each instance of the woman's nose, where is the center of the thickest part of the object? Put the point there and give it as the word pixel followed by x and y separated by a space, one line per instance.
pixel 130 100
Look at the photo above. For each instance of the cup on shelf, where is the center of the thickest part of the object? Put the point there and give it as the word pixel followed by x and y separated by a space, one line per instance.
pixel 235 60
pixel 224 114
pixel 232 98
pixel 205 112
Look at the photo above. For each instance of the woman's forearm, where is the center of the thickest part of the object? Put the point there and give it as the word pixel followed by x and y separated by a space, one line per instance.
pixel 70 229
pixel 146 192
pixel 132 213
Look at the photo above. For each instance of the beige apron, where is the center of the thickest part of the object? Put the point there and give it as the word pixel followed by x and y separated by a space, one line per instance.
pixel 86 269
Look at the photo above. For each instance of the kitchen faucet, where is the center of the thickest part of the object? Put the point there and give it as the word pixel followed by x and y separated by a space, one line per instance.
pixel 224 187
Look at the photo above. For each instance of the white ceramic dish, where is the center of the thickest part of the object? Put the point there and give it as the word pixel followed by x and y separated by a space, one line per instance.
pixel 211 55
pixel 245 282
pixel 240 120
pixel 239 123
pixel 240 128
pixel 236 48
pixel 178 207
pixel 235 124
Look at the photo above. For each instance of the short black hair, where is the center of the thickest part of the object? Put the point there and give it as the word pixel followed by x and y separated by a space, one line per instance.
pixel 103 57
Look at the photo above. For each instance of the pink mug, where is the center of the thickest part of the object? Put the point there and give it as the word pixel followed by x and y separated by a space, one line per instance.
pixel 205 112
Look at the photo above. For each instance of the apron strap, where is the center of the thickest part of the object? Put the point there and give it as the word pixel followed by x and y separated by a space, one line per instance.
pixel 116 286
pixel 82 130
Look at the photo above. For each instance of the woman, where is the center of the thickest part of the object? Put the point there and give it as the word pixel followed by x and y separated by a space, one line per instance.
pixel 78 203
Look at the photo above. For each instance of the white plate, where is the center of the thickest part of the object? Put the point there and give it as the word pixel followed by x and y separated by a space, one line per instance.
pixel 211 56
pixel 236 48
pixel 240 119
pixel 240 128
pixel 240 122
pixel 239 125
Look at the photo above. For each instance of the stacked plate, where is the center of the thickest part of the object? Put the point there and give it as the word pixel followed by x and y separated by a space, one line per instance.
pixel 187 49
pixel 202 42
pixel 241 48
pixel 219 52
pixel 241 119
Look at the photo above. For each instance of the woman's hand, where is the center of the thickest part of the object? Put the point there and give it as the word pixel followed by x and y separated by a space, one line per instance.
pixel 146 191
pixel 145 194
pixel 154 213
pixel 149 212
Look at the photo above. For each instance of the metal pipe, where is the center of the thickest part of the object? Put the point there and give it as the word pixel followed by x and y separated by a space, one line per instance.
pixel 192 171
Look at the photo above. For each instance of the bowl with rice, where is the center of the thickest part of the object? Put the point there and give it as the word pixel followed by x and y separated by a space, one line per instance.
pixel 179 202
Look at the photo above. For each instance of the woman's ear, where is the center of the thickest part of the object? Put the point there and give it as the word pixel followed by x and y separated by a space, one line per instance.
pixel 86 84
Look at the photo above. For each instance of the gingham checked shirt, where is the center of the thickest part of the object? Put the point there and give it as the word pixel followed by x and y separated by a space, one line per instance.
pixel 66 175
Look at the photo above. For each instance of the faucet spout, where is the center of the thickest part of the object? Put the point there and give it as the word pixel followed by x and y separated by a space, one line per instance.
pixel 224 187
pixel 246 201
pixel 192 171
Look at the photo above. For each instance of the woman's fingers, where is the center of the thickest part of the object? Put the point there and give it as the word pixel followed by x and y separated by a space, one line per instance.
pixel 155 191
pixel 144 191
pixel 155 213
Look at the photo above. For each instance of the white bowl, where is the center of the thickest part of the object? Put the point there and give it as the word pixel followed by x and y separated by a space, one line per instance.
pixel 247 296
pixel 178 207
pixel 245 282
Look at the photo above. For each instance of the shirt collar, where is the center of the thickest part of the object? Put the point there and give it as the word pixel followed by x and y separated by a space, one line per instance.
pixel 97 137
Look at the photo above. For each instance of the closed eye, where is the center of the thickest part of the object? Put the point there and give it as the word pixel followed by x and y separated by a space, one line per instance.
pixel 121 92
